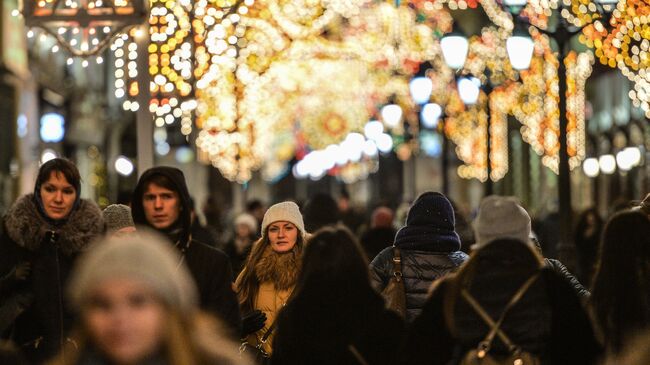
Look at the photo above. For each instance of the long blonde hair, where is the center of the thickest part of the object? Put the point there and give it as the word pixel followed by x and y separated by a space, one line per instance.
pixel 247 284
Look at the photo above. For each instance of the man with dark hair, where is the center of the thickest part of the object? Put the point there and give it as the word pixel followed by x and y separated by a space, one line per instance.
pixel 161 201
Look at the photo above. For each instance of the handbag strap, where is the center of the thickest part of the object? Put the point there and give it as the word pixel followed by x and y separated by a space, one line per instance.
pixel 268 332
pixel 487 342
pixel 397 263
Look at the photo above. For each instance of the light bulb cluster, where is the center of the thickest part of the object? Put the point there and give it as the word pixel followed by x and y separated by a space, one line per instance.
pixel 624 43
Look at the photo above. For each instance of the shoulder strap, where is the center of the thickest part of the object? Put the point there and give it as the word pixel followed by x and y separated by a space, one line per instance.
pixel 268 332
pixel 397 263
pixel 487 342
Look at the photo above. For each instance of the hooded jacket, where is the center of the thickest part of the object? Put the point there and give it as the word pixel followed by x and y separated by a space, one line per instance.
pixel 430 249
pixel 209 266
pixel 51 248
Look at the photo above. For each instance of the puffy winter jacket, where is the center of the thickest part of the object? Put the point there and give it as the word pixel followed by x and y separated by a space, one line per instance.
pixel 421 266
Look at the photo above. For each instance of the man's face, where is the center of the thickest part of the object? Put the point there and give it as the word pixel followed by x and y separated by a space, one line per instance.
pixel 161 206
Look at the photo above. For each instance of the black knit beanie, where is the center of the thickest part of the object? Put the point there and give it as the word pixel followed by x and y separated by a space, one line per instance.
pixel 430 225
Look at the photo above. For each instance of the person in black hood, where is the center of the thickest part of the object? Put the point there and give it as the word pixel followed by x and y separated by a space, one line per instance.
pixel 429 247
pixel 161 201
pixel 43 234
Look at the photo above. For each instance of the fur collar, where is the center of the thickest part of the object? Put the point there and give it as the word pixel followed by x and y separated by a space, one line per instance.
pixel 281 269
pixel 27 228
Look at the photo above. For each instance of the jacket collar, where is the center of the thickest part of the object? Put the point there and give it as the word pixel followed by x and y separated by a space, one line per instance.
pixel 27 227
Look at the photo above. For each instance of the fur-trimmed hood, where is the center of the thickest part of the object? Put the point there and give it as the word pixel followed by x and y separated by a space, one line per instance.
pixel 27 227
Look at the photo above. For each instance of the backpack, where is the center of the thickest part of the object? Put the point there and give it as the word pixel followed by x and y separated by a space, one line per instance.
pixel 481 354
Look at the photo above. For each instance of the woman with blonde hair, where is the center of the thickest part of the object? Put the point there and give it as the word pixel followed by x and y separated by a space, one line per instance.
pixel 137 304
pixel 270 273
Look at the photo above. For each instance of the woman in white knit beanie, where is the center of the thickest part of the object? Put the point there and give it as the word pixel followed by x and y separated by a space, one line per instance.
pixel 137 304
pixel 270 272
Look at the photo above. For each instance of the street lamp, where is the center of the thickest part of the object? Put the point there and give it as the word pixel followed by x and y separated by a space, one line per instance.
pixel 520 49
pixel 562 35
pixel 454 49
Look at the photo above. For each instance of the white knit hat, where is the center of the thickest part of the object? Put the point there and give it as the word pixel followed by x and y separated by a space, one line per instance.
pixel 501 217
pixel 247 220
pixel 285 211
pixel 146 257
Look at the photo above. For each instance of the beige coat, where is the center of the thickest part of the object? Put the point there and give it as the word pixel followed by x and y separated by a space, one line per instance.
pixel 270 301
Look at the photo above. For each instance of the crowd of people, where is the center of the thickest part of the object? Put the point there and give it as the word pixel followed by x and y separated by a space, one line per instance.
pixel 145 284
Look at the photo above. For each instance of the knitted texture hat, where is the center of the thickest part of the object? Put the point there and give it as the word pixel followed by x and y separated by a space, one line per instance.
pixel 147 258
pixel 116 217
pixel 501 217
pixel 284 211
pixel 430 225
pixel 248 220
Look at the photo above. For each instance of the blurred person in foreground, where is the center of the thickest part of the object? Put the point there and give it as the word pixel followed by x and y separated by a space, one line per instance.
pixel 347 322
pixel 137 305
pixel 161 201
pixel 505 280
pixel 44 232
pixel 620 293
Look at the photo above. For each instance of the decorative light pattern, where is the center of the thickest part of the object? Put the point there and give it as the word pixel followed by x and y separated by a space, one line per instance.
pixel 244 101
pixel 622 44
pixel 538 110
pixel 83 27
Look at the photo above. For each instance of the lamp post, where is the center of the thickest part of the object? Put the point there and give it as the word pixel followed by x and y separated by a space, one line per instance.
pixel 562 35
pixel 454 49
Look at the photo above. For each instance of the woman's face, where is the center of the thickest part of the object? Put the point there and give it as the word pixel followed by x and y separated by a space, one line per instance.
pixel 282 235
pixel 243 230
pixel 58 196
pixel 125 320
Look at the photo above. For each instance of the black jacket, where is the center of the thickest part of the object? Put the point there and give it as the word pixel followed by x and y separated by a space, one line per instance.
pixel 209 266
pixel 421 266
pixel 28 237
pixel 562 270
pixel 548 322
pixel 326 331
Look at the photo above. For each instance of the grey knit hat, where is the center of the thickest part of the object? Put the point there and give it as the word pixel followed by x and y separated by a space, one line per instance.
pixel 501 217
pixel 116 217
pixel 145 257
pixel 285 211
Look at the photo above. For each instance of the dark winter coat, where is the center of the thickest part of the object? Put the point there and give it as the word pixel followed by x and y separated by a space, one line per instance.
pixel 209 266
pixel 549 322
pixel 314 331
pixel 51 250
pixel 422 264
